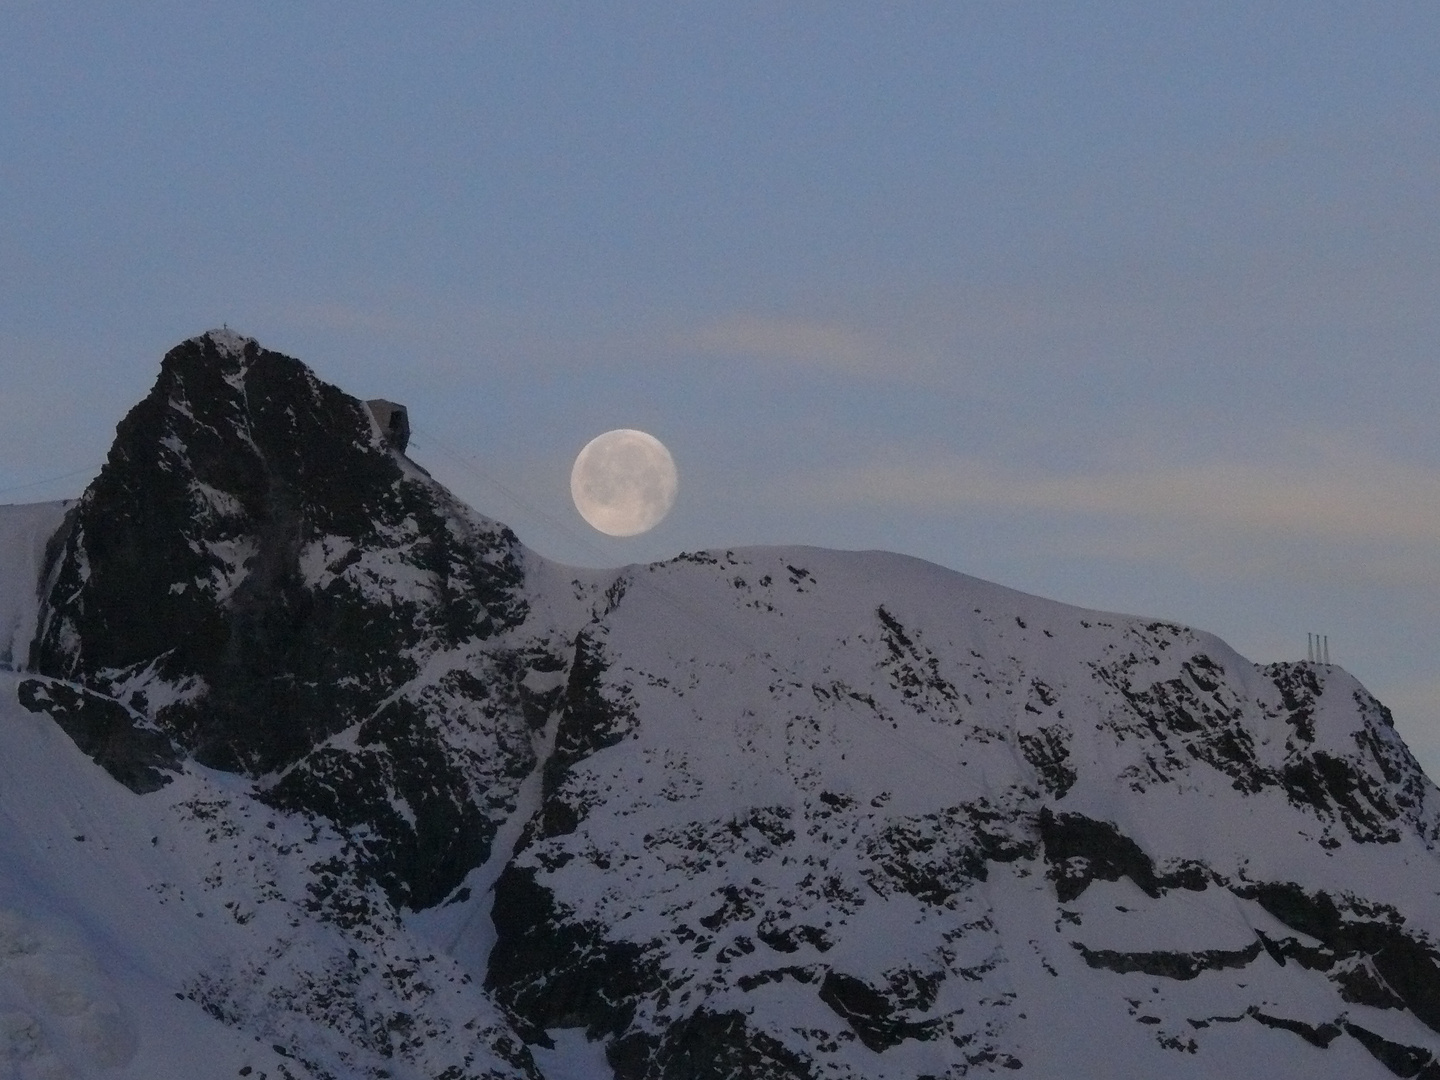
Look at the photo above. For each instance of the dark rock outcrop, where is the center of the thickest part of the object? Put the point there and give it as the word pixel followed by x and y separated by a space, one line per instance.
pixel 589 722
pixel 1081 850
pixel 707 1046
pixel 871 1015
pixel 555 972
pixel 117 740
pixel 1169 964
pixel 259 573
pixel 1408 966
pixel 1400 1059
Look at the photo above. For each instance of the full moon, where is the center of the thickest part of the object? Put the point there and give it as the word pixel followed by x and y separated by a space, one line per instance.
pixel 624 482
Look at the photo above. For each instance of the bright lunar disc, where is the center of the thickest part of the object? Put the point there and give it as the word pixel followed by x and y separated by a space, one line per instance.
pixel 624 482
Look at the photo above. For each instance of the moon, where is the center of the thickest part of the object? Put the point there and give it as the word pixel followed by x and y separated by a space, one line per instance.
pixel 624 482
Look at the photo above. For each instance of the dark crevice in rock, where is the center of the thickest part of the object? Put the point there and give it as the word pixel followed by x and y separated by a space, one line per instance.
pixel 589 722
pixel 1169 965
pixel 552 971
pixel 871 1014
pixel 1409 967
pixel 706 1046
pixel 1321 1035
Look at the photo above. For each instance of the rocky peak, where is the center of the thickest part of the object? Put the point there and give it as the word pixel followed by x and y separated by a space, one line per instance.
pixel 257 570
pixel 775 813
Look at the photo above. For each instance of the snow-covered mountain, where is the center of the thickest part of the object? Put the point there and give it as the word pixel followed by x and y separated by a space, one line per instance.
pixel 307 770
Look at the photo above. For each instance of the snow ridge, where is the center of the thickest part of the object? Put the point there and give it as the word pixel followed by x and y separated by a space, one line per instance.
pixel 335 779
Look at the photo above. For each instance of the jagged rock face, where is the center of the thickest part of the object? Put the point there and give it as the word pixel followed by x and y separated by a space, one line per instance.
pixel 885 821
pixel 778 814
pixel 258 573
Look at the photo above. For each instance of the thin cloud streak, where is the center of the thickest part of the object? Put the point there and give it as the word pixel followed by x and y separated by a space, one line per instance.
pixel 1369 502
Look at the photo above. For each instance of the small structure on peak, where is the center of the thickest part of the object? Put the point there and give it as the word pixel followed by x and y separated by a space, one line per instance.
pixel 394 421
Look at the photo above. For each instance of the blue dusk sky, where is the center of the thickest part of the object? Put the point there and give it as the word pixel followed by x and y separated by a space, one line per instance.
pixel 1132 305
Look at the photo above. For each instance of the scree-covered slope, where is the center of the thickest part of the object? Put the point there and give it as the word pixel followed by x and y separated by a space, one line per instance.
pixel 310 771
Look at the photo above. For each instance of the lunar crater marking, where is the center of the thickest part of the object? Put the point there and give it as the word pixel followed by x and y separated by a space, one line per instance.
pixel 624 482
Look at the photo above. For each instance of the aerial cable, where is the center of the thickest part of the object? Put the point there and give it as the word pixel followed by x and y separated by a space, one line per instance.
pixel 894 734
pixel 532 511
pixel 464 461
pixel 470 465
pixel 51 479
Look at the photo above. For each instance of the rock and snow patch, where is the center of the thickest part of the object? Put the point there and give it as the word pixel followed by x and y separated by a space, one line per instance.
pixel 434 807
pixel 229 343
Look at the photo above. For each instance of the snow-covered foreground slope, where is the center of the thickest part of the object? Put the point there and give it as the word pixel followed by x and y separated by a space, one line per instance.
pixel 177 935
pixel 318 773
pixel 92 952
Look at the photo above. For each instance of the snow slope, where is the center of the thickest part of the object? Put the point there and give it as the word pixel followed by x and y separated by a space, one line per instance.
pixel 91 954
pixel 318 774
pixel 819 808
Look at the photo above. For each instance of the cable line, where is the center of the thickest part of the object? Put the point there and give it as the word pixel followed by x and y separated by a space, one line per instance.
pixel 894 730
pixel 894 734
pixel 51 479
pixel 467 463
